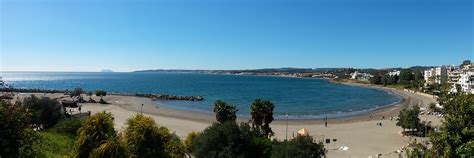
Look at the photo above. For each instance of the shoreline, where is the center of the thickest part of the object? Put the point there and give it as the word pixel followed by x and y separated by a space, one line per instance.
pixel 349 131
pixel 386 111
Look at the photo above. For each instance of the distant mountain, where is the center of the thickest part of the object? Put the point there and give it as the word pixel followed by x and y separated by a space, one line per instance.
pixel 421 67
pixel 264 70
pixel 106 70
pixel 284 69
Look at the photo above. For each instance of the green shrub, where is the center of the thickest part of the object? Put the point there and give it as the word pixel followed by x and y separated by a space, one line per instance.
pixel 16 138
pixel 46 111
pixel 95 131
pixel 144 138
pixel 69 126
pixel 301 146
pixel 54 145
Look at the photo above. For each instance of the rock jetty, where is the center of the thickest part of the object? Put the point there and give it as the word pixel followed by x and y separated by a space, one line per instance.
pixel 171 97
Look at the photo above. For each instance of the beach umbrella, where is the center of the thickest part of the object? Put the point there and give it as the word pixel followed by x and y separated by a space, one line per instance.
pixel 303 131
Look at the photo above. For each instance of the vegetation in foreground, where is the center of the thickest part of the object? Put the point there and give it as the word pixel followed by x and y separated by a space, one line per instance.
pixel 26 130
pixel 455 137
pixel 54 145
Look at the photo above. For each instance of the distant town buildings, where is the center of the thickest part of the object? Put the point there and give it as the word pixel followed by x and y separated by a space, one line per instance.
pixel 361 76
pixel 466 81
pixel 437 75
pixel 394 73
pixel 462 76
pixel 454 73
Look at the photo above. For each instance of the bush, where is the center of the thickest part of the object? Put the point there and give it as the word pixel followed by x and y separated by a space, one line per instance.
pixel 144 138
pixel 301 146
pixel 229 140
pixel 16 139
pixel 69 126
pixel 46 111
pixel 188 142
pixel 174 147
pixel 55 144
pixel 95 131
pixel 76 92
pixel 100 93
pixel 112 148
pixel 221 140
pixel 408 119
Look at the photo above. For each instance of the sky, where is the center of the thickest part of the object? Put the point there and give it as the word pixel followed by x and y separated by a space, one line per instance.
pixel 91 35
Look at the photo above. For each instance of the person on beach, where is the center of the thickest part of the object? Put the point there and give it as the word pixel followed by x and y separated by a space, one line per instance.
pixel 326 122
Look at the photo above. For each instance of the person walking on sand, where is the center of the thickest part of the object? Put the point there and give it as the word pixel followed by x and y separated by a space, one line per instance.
pixel 326 122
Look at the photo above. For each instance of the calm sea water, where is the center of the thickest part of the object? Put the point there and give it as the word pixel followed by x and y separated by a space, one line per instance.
pixel 301 98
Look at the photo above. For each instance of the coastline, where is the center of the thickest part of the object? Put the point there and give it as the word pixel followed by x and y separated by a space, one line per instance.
pixel 349 131
pixel 386 111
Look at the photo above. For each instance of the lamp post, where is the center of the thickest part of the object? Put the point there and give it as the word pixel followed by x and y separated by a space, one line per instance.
pixel 286 134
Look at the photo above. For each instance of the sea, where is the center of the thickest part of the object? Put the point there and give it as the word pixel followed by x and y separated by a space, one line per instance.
pixel 301 98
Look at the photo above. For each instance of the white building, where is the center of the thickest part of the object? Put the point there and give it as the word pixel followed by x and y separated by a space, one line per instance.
pixel 361 76
pixel 466 81
pixel 454 73
pixel 436 75
pixel 394 73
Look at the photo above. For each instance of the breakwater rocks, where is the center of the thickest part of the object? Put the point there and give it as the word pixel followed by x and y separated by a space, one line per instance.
pixel 171 97
pixel 22 90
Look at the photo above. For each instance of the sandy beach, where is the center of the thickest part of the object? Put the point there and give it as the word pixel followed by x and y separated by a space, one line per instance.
pixel 360 132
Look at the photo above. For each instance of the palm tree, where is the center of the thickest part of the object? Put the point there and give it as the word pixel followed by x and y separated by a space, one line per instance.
pixel 262 116
pixel 224 111
pixel 112 147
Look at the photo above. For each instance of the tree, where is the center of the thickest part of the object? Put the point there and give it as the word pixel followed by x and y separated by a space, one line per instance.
pixel 16 138
pixel 456 136
pixel 377 79
pixel 101 93
pixel 262 116
pixel 174 147
pixel 406 76
pixel 301 146
pixel 46 111
pixel 111 148
pixel 224 111
pixel 408 119
pixel 417 150
pixel 418 76
pixel 144 138
pixel 222 140
pixel 188 142
pixel 69 126
pixel 385 80
pixel 466 62
pixel 393 80
pixel 95 131
pixel 76 92
pixel 258 146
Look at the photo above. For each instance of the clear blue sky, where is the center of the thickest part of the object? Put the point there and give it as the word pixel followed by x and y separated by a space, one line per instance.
pixel 86 35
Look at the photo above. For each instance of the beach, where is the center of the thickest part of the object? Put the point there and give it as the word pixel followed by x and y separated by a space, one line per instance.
pixel 359 132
